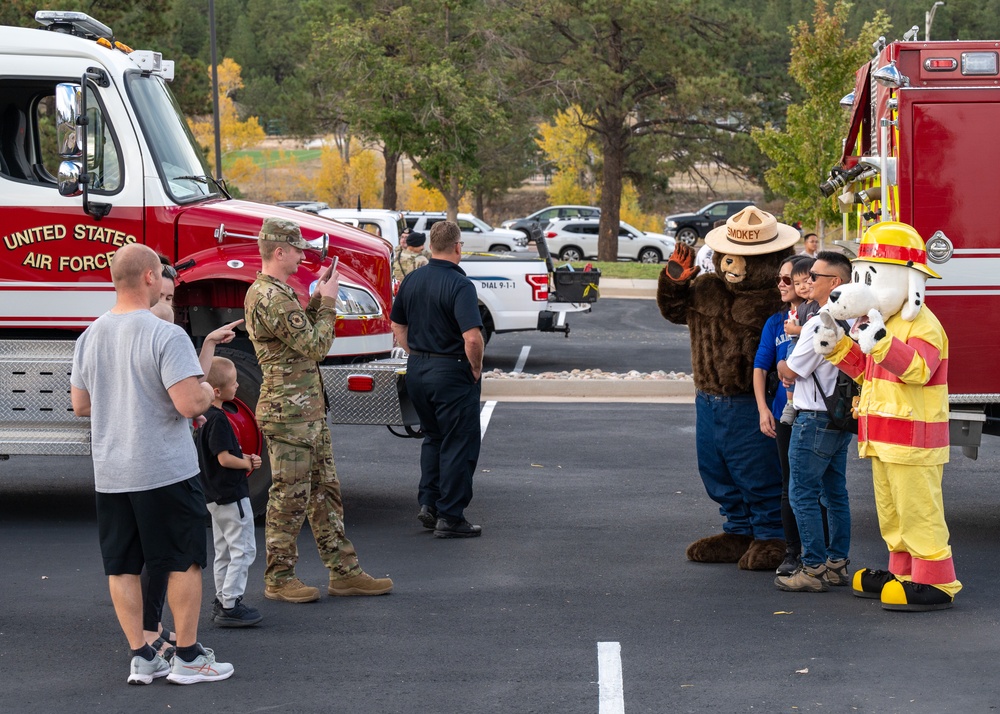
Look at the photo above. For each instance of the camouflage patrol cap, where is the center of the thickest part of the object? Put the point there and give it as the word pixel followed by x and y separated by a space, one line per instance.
pixel 281 229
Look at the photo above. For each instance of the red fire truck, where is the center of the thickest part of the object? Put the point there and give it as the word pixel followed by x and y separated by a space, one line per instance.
pixel 94 154
pixel 922 148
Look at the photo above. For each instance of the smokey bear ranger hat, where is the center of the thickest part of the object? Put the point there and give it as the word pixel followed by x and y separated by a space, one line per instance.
pixel 283 230
pixel 751 232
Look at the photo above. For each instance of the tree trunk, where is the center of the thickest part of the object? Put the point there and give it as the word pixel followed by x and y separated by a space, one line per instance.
pixel 452 196
pixel 389 195
pixel 480 212
pixel 615 142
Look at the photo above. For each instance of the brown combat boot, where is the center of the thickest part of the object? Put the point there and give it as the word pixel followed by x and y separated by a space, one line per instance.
pixel 360 584
pixel 293 590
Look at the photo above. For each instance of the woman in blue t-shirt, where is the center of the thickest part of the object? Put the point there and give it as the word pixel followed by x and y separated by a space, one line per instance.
pixel 773 348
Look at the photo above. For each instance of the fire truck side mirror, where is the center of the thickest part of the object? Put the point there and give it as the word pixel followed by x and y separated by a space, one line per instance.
pixel 69 106
pixel 69 179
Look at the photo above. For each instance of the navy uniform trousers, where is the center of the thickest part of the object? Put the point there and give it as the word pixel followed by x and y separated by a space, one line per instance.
pixel 446 399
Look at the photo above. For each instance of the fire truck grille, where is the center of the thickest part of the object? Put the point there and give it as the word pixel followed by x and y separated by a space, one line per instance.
pixel 36 415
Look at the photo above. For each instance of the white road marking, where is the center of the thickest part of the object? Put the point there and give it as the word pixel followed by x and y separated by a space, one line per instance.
pixel 484 418
pixel 609 674
pixel 522 359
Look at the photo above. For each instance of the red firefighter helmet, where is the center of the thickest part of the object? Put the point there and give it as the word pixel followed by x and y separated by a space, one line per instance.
pixel 896 243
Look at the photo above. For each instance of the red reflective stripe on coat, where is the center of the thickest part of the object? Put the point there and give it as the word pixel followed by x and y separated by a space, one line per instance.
pixel 938 378
pixel 853 363
pixel 899 357
pixel 892 430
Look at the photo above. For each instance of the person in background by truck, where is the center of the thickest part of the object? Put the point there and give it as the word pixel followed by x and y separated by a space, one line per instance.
pixel 410 254
pixel 291 411
pixel 811 245
pixel 168 283
pixel 150 506
pixel 436 319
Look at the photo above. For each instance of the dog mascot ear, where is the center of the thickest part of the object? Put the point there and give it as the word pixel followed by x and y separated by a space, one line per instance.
pixel 914 295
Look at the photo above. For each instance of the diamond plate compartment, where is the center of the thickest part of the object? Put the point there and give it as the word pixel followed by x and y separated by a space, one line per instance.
pixel 379 406
pixel 36 414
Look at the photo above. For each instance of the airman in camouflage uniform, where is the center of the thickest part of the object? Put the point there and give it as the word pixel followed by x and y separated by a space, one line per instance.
pixel 289 343
pixel 409 255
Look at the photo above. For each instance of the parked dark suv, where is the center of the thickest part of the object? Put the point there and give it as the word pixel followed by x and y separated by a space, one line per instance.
pixel 689 227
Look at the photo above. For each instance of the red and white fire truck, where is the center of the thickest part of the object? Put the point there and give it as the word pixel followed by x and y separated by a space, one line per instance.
pixel 94 154
pixel 922 148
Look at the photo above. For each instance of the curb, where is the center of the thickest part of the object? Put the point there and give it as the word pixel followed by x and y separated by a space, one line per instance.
pixel 587 389
pixel 628 288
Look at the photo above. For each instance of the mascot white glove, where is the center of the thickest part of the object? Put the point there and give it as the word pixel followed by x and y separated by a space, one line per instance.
pixel 827 335
pixel 868 331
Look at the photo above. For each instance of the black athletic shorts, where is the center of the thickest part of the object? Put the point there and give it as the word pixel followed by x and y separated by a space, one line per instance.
pixel 163 528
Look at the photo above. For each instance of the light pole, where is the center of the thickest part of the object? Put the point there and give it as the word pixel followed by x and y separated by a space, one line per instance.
pixel 929 19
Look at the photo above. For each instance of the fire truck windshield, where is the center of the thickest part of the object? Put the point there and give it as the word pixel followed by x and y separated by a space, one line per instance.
pixel 178 158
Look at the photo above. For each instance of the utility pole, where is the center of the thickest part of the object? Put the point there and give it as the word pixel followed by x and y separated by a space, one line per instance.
pixel 216 119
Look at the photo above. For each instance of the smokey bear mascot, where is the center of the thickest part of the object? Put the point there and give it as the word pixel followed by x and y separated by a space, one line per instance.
pixel 725 312
pixel 901 361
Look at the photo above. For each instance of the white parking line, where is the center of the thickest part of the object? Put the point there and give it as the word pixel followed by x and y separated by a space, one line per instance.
pixel 609 674
pixel 484 418
pixel 522 359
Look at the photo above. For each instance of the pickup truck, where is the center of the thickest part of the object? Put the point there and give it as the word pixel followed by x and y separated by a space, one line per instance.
pixel 519 292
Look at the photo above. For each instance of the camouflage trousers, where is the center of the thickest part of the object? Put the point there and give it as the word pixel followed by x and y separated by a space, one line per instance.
pixel 305 484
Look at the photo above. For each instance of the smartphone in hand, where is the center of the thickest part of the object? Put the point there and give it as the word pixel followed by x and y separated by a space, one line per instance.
pixel 333 267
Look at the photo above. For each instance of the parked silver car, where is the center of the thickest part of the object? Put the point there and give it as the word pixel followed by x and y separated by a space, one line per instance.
pixel 576 239
pixel 534 225
pixel 478 235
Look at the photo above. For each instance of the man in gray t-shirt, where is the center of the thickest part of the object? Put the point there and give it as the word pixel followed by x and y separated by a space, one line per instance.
pixel 139 380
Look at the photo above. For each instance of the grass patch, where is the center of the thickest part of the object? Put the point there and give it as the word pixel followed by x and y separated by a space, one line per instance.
pixel 625 270
pixel 277 157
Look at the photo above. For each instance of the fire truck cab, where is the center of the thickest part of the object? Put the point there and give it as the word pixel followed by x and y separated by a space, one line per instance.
pixel 95 153
pixel 922 148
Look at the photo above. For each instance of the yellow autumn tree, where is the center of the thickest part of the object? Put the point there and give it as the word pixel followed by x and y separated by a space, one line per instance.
pixel 571 150
pixel 340 184
pixel 234 134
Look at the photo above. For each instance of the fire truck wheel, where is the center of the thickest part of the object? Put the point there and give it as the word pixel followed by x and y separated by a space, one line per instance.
pixel 249 377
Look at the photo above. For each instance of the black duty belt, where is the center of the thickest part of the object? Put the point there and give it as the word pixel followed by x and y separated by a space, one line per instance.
pixel 438 354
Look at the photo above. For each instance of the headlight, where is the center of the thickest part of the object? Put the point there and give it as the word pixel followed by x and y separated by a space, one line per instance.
pixel 353 301
pixel 671 224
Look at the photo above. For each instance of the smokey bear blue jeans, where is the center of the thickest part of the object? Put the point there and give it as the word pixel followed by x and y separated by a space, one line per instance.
pixel 739 465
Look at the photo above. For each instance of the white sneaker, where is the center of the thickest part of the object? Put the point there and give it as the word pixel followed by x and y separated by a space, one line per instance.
pixel 144 671
pixel 203 668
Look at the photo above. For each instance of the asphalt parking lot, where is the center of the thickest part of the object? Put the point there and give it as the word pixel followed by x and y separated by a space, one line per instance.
pixel 586 509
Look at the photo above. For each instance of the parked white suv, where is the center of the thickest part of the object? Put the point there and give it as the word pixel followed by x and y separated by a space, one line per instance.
pixel 478 235
pixel 576 239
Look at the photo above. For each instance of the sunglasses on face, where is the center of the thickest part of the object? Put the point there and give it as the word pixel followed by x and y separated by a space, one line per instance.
pixel 169 272
pixel 813 276
pixel 784 280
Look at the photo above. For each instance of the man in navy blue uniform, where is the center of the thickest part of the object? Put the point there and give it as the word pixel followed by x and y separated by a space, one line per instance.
pixel 436 319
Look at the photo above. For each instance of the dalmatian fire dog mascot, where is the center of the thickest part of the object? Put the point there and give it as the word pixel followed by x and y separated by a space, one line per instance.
pixel 901 361
pixel 725 311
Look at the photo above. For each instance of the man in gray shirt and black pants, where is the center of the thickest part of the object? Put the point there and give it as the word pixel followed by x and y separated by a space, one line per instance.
pixel 138 379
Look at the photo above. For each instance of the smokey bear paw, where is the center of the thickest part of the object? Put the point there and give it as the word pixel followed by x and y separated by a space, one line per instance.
pixel 721 548
pixel 763 555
